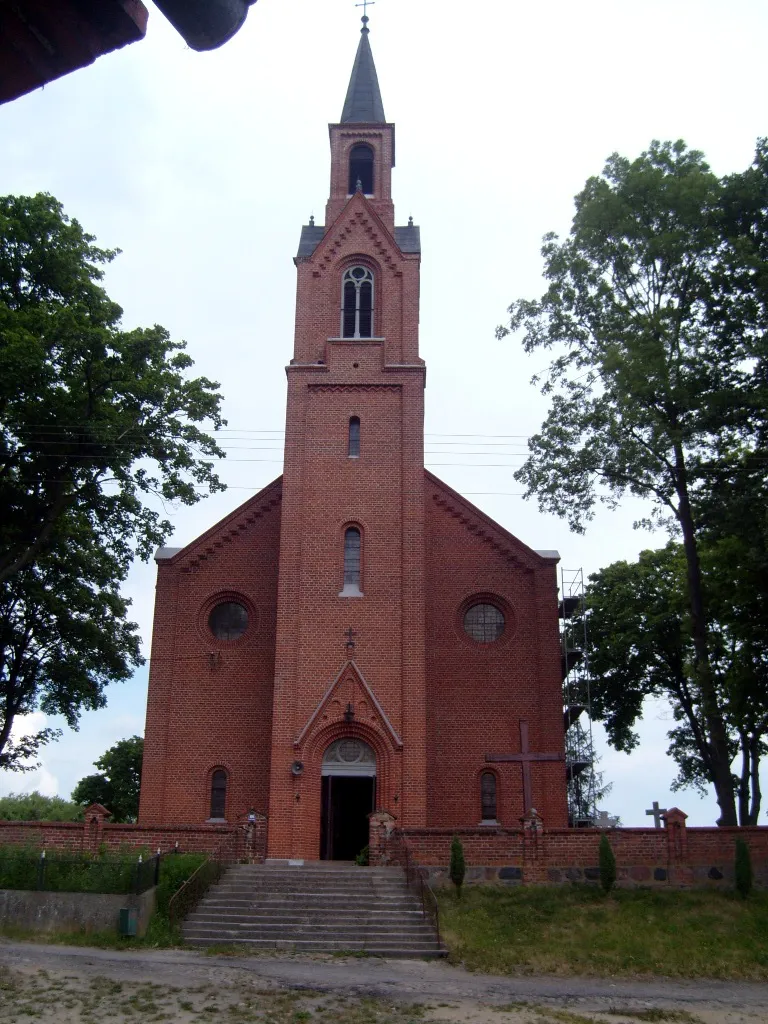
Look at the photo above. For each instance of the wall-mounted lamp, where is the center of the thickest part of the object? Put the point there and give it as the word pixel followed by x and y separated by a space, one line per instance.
pixel 349 714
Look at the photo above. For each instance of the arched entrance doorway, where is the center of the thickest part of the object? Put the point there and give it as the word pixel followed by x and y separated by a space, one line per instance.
pixel 348 797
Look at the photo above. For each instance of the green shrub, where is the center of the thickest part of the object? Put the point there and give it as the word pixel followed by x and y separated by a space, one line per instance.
pixel 607 861
pixel 64 871
pixel 364 857
pixel 174 871
pixel 457 868
pixel 743 869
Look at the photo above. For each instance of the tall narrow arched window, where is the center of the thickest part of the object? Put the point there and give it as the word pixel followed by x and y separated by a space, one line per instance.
pixel 488 796
pixel 361 169
pixel 353 447
pixel 219 793
pixel 352 552
pixel 357 303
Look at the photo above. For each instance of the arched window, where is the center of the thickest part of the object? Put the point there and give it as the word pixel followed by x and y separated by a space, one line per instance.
pixel 353 447
pixel 357 303
pixel 352 549
pixel 361 169
pixel 488 796
pixel 219 793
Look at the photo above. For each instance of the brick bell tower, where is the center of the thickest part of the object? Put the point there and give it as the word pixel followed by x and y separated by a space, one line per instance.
pixel 349 717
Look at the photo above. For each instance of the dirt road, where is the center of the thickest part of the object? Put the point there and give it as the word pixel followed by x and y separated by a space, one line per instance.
pixel 70 985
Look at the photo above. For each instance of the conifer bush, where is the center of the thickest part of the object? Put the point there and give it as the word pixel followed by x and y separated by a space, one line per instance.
pixel 607 862
pixel 457 868
pixel 743 869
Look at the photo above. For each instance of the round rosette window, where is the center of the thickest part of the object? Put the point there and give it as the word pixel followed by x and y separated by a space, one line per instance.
pixel 484 622
pixel 228 620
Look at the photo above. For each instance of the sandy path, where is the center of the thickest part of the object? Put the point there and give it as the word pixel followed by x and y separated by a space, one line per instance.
pixel 75 985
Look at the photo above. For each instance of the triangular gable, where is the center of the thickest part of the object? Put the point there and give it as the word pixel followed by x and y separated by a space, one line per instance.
pixel 350 672
pixel 358 216
pixel 190 557
pixel 483 527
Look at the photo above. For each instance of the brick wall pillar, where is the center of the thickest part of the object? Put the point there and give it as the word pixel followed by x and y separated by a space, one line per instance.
pixel 680 871
pixel 381 824
pixel 534 854
pixel 93 833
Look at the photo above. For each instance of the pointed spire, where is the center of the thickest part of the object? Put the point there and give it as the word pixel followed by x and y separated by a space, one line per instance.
pixel 363 102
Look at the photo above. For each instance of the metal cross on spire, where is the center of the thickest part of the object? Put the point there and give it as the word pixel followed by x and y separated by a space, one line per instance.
pixel 365 5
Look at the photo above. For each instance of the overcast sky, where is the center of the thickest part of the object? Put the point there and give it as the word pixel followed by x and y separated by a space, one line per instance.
pixel 203 167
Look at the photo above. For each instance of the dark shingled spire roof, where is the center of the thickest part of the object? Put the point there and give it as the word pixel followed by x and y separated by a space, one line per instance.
pixel 363 102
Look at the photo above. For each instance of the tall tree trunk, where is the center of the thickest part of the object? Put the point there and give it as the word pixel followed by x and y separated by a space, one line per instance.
pixel 745 779
pixel 754 811
pixel 720 757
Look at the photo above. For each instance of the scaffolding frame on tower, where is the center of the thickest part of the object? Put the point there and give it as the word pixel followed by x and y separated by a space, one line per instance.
pixel 577 702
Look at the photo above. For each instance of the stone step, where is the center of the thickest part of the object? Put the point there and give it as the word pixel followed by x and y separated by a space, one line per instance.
pixel 234 888
pixel 241 892
pixel 280 906
pixel 310 914
pixel 314 909
pixel 360 875
pixel 293 933
pixel 397 948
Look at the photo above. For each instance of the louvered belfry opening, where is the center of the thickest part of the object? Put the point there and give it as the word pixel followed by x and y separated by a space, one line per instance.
pixel 361 169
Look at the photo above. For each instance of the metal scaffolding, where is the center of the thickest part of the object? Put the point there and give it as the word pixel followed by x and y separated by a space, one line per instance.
pixel 579 749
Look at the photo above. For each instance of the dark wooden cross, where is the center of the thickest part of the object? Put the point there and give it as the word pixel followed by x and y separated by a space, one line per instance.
pixel 657 813
pixel 350 635
pixel 524 758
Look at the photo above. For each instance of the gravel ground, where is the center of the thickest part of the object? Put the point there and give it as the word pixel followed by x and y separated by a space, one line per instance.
pixel 76 985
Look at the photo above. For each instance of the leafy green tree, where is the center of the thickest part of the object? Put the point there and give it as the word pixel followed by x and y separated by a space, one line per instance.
pixel 657 307
pixel 118 783
pixel 63 638
pixel 640 644
pixel 36 807
pixel 94 418
pixel 607 864
pixel 95 423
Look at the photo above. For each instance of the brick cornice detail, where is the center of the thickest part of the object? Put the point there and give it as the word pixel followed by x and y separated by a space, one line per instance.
pixel 370 231
pixel 234 528
pixel 324 388
pixel 480 531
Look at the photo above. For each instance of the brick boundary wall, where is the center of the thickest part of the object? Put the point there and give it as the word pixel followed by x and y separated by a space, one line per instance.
pixel 244 840
pixel 673 855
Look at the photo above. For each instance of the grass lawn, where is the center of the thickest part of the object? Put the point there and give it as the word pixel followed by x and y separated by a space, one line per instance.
pixel 578 930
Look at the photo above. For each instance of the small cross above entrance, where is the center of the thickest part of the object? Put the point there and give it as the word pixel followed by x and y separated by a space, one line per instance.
pixel 350 634
pixel 657 813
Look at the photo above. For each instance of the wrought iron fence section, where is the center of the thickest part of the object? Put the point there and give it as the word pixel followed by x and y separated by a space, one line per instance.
pixel 415 880
pixel 190 892
pixel 51 872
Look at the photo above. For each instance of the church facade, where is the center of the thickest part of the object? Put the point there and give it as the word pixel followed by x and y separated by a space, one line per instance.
pixel 357 635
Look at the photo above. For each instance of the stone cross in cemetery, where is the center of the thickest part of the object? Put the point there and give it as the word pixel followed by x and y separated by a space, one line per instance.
pixel 657 813
pixel 524 758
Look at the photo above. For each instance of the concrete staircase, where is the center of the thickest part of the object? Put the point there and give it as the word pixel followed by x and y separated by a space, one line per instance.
pixel 323 906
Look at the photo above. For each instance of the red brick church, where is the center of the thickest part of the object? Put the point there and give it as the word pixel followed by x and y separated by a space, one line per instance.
pixel 357 636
